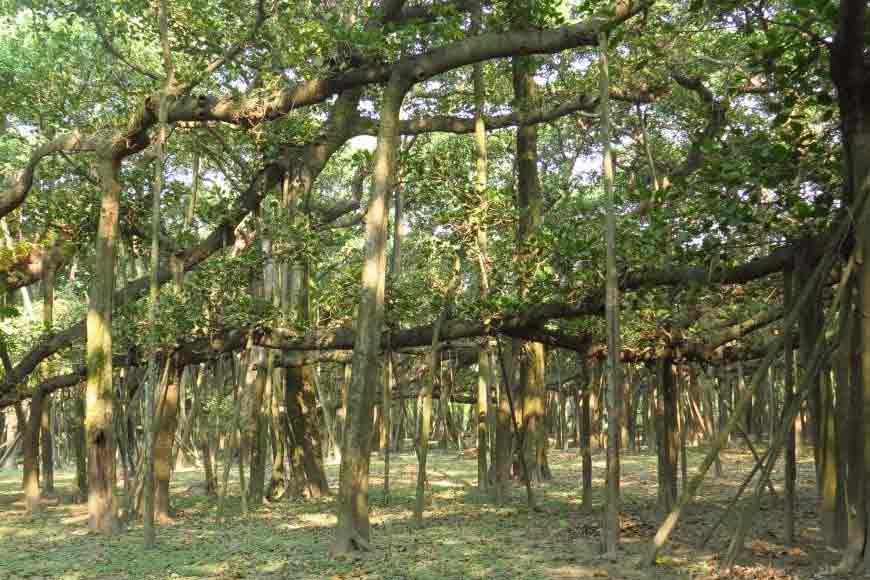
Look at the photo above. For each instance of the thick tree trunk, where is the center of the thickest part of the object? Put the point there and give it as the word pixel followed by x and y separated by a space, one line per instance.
pixel 851 386
pixel 850 74
pixel 809 325
pixel 102 507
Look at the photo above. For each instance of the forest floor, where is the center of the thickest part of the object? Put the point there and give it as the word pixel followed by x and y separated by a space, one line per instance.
pixel 465 536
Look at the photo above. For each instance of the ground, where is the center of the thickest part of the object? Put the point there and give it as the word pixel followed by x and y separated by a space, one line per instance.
pixel 465 536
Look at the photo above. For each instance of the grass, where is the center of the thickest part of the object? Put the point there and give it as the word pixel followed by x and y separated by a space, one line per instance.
pixel 465 536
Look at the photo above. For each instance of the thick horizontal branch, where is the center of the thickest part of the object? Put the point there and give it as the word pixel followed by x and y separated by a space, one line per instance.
pixel 530 322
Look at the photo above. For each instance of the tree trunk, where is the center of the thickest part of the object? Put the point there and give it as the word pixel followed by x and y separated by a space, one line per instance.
pixel 503 436
pixel 850 75
pixel 484 363
pixel 279 480
pixel 32 498
pixel 532 385
pixel 614 346
pixel 80 445
pixel 788 388
pixel 102 506
pixel 352 529
pixel 387 405
pixel 586 440
pixel 666 433
pixel 302 411
pixel 15 428
pixel 166 420
pixel 47 447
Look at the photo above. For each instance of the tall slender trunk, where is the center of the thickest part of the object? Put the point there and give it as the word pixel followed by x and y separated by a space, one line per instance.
pixel 387 406
pixel 352 529
pixel 47 440
pixel 585 442
pixel 788 388
pixel 79 442
pixel 503 436
pixel 32 497
pixel 15 428
pixel 614 372
pixel 424 422
pixel 166 419
pixel 481 167
pixel 666 433
pixel 46 445
pixel 529 205
pixel 102 505
pixel 150 492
